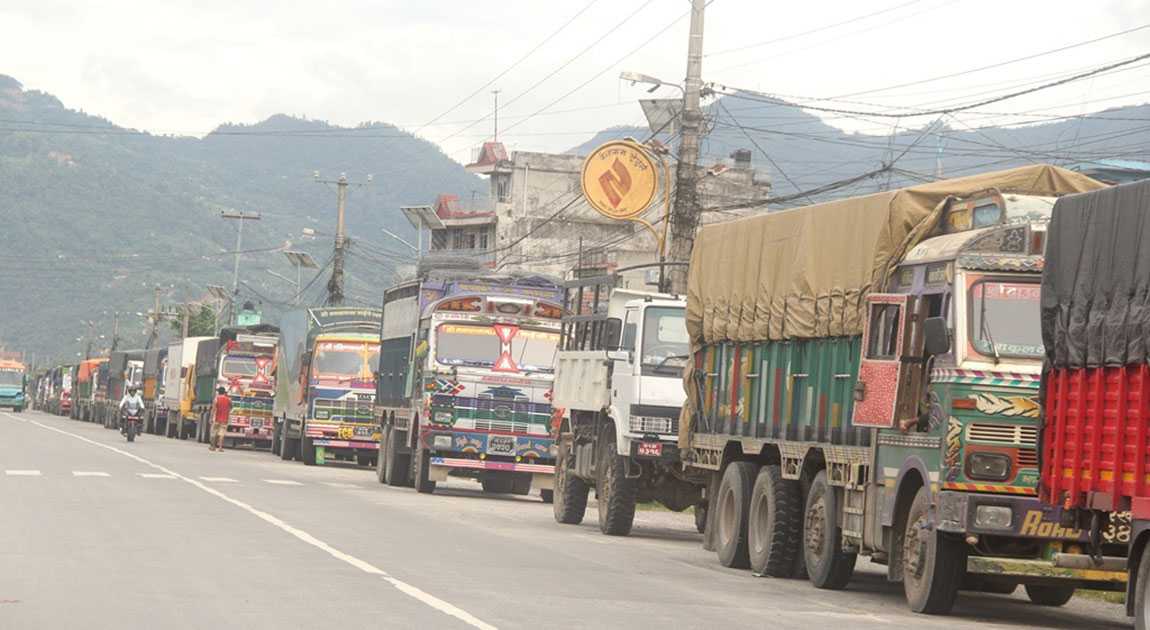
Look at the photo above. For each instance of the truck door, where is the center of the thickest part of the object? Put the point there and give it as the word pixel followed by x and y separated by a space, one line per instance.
pixel 884 369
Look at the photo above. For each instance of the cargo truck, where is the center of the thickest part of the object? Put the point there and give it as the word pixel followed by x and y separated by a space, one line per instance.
pixel 13 383
pixel 155 413
pixel 179 394
pixel 865 381
pixel 244 365
pixel 84 407
pixel 619 390
pixel 325 385
pixel 124 371
pixel 465 376
pixel 1096 387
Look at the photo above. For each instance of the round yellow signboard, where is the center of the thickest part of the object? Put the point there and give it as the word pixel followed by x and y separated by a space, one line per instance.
pixel 619 180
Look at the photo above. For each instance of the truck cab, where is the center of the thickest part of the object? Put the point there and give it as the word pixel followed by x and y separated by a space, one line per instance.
pixel 13 382
pixel 619 385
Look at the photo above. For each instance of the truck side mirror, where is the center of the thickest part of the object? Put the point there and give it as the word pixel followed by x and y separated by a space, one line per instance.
pixel 612 333
pixel 936 337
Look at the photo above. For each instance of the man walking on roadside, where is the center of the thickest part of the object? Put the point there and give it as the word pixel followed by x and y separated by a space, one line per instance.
pixel 221 411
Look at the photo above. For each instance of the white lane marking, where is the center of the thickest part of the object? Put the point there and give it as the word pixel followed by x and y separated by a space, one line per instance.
pixel 341 484
pixel 283 482
pixel 156 475
pixel 22 473
pixel 89 473
pixel 218 479
pixel 403 587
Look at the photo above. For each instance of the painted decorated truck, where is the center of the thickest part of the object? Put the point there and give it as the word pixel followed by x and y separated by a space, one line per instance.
pixel 1096 386
pixel 13 383
pixel 619 394
pixel 244 365
pixel 325 385
pixel 465 375
pixel 865 381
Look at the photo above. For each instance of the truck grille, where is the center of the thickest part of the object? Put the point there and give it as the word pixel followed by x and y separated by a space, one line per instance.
pixel 647 424
pixel 506 426
pixel 1027 458
pixel 349 410
pixel 1005 434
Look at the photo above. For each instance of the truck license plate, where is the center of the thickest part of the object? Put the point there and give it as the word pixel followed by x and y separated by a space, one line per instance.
pixel 501 445
pixel 257 423
pixel 650 449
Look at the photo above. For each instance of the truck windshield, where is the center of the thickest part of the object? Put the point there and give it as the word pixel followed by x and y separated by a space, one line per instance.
pixel 240 366
pixel 344 359
pixel 666 347
pixel 1004 319
pixel 11 377
pixel 480 346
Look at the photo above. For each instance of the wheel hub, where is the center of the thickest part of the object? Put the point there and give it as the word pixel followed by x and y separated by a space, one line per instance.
pixel 815 528
pixel 915 549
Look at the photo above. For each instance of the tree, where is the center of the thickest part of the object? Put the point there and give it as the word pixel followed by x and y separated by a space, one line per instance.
pixel 200 324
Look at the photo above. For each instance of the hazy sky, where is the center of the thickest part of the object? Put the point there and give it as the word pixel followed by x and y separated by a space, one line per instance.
pixel 185 66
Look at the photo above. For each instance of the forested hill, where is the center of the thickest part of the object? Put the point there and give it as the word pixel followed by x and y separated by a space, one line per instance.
pixel 93 215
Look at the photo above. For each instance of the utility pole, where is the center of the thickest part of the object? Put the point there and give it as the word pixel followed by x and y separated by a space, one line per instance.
pixel 91 339
pixel 184 325
pixel 155 320
pixel 685 215
pixel 241 217
pixel 335 284
pixel 115 331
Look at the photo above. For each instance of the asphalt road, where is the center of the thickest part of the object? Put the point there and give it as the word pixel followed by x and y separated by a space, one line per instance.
pixel 97 533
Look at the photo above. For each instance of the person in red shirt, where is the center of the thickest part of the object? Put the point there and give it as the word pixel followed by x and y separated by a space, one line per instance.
pixel 221 411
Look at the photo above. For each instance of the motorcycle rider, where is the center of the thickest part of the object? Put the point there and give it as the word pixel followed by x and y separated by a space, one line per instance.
pixel 133 402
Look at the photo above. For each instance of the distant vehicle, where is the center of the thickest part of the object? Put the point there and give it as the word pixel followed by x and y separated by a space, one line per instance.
pixel 179 393
pixel 619 381
pixel 13 382
pixel 325 385
pixel 124 370
pixel 465 377
pixel 244 365
pixel 84 400
pixel 155 413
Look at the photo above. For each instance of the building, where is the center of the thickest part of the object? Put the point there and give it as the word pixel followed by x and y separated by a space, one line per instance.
pixel 1114 171
pixel 538 220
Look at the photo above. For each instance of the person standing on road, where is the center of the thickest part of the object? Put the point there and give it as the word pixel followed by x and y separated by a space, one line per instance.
pixel 221 411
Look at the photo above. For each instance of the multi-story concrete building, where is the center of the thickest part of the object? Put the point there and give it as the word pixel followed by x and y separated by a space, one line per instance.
pixel 538 220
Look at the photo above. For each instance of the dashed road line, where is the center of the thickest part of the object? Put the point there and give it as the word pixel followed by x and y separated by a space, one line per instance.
pixel 341 484
pixel 156 476
pixel 89 473
pixel 22 473
pixel 403 587
pixel 218 480
pixel 283 482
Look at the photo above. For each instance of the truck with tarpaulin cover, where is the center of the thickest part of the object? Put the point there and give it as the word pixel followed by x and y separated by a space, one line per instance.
pixel 465 375
pixel 125 371
pixel 13 385
pixel 203 387
pixel 325 385
pixel 244 365
pixel 84 403
pixel 865 381
pixel 155 413
pixel 1096 385
pixel 179 394
pixel 618 397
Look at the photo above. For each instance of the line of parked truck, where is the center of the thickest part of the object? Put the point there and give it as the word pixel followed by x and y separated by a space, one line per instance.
pixel 859 377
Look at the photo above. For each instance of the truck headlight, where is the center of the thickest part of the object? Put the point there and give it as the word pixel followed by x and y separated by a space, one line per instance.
pixel 442 442
pixel 988 466
pixel 993 517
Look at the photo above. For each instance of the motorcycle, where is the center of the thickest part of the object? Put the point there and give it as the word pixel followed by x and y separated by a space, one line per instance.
pixel 133 420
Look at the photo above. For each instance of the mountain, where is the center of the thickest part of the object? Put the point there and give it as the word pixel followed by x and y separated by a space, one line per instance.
pixel 808 153
pixel 93 215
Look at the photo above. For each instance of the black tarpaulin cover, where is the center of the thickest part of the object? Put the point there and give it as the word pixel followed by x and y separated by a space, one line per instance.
pixel 1096 282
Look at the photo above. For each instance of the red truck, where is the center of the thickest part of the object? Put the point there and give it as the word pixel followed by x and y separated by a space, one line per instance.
pixel 1096 385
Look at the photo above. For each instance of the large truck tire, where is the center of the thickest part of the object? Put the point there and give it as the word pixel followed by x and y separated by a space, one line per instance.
pixel 615 493
pixel 547 496
pixel 732 505
pixel 521 484
pixel 421 461
pixel 1142 591
pixel 366 460
pixel 570 491
pixel 828 566
pixel 394 467
pixel 1049 595
pixel 307 451
pixel 496 483
pixel 774 523
pixel 933 563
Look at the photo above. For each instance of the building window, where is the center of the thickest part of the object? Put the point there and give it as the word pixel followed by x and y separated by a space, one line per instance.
pixel 483 239
pixel 502 188
pixel 457 239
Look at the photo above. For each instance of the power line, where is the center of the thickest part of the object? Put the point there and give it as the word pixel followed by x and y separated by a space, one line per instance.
pixel 790 181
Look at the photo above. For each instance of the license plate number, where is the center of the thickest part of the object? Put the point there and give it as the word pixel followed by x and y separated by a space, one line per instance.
pixel 650 449
pixel 501 445
pixel 364 431
pixel 257 423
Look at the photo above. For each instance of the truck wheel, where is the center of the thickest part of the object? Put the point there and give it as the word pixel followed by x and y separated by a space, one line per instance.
pixel 397 467
pixel 547 496
pixel 497 484
pixel 616 494
pixel 1142 591
pixel 521 484
pixel 828 566
pixel 307 451
pixel 423 483
pixel 367 461
pixel 933 564
pixel 570 491
pixel 773 523
pixel 276 443
pixel 732 503
pixel 1045 595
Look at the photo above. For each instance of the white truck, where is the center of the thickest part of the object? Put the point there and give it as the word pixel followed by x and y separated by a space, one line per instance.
pixel 619 385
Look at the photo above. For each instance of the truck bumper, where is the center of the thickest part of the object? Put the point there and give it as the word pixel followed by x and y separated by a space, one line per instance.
pixel 349 444
pixel 1048 571
pixel 542 475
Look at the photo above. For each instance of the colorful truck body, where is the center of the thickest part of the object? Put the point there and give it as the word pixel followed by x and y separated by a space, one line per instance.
pixel 465 375
pixel 13 385
pixel 1096 385
pixel 244 365
pixel 325 385
pixel 865 381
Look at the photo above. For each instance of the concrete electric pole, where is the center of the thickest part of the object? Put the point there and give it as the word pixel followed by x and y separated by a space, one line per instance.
pixel 685 215
pixel 335 284
pixel 241 217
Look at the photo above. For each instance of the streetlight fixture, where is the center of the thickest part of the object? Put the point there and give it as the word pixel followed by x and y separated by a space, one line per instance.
pixel 299 260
